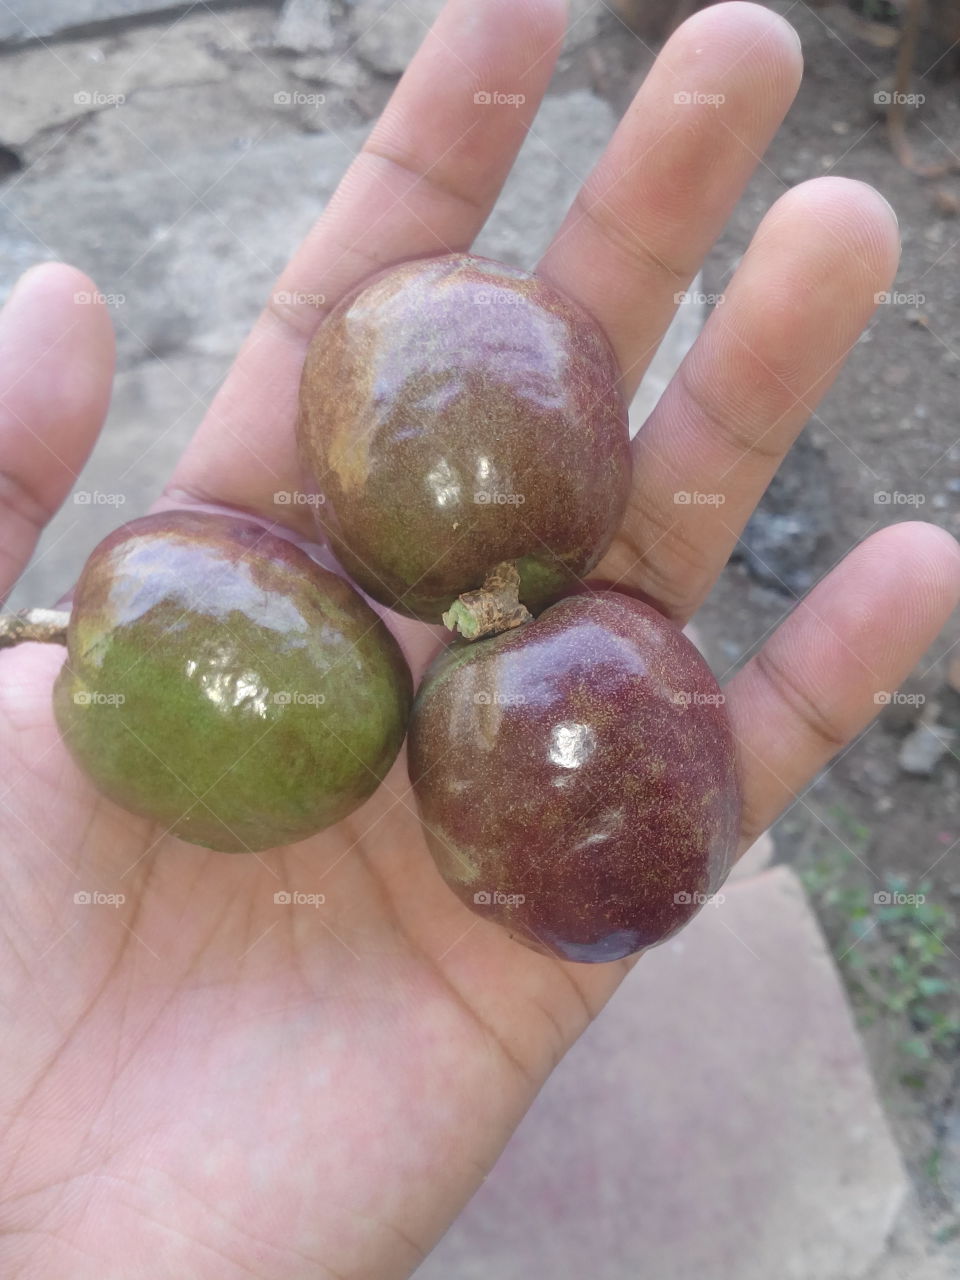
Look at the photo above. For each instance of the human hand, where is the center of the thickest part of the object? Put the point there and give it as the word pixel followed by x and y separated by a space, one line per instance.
pixel 202 1082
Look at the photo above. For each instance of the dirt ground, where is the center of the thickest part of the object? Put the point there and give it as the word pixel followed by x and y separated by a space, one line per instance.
pixel 889 426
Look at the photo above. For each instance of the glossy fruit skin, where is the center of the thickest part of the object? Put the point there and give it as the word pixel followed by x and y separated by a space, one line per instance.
pixel 457 413
pixel 262 698
pixel 583 765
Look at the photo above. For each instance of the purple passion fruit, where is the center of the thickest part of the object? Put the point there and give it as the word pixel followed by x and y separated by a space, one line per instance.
pixel 457 413
pixel 577 777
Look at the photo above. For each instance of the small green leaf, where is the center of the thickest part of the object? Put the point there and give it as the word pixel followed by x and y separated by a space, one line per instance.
pixel 916 1047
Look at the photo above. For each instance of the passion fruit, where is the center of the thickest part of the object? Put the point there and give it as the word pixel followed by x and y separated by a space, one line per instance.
pixel 456 413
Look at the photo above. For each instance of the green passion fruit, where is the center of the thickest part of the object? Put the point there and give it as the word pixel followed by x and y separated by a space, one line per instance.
pixel 221 683
pixel 456 413
pixel 577 777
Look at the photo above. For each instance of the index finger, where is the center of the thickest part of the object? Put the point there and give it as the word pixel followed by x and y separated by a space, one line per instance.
pixel 423 184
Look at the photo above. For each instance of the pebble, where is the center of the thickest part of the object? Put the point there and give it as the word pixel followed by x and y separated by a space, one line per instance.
pixel 923 749
pixel 305 26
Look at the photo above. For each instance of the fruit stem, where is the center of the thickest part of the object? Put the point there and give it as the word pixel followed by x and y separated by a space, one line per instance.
pixel 46 626
pixel 495 607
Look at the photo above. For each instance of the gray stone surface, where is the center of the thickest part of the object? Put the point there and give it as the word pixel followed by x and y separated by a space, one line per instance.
pixel 586 17
pixel 156 406
pixel 41 90
pixel 192 252
pixel 23 20
pixel 787 539
pixel 677 341
pixel 717 1122
pixel 563 143
pixel 388 32
pixel 306 26
pixel 923 748
pixel 909 1256
pixel 172 222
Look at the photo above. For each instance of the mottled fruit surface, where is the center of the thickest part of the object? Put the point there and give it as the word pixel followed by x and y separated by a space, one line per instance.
pixel 577 777
pixel 457 413
pixel 221 683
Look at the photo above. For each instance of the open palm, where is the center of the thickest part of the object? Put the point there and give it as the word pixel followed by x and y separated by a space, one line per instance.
pixel 201 1081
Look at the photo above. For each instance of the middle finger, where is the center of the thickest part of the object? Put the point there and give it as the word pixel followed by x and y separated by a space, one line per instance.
pixel 649 212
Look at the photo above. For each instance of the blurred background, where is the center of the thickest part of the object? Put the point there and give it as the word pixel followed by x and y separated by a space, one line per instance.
pixel 178 152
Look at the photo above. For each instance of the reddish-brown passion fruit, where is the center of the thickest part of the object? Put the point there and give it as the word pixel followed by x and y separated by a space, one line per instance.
pixel 577 777
pixel 456 413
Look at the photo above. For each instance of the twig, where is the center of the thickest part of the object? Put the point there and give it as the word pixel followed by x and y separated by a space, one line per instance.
pixel 44 626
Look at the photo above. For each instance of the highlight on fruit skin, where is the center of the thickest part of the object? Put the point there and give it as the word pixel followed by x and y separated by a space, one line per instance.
pixel 221 683
pixel 456 414
pixel 577 777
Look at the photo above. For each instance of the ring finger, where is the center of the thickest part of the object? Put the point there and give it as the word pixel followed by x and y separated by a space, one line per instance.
pixel 797 304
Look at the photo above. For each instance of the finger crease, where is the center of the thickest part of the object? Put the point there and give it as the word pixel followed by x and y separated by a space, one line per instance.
pixel 625 241
pixel 15 496
pixel 433 179
pixel 720 425
pixel 799 702
pixel 661 578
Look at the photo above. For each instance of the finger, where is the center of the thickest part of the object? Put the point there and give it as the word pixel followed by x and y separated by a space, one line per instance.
pixel 812 687
pixel 56 371
pixel 424 183
pixel 660 195
pixel 796 306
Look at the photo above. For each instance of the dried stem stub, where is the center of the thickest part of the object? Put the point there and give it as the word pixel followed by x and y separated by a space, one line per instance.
pixel 44 626
pixel 495 607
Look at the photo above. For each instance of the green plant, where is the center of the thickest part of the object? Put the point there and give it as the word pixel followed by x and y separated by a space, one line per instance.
pixel 888 939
